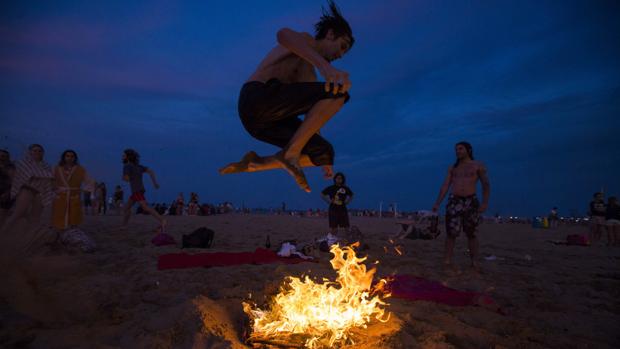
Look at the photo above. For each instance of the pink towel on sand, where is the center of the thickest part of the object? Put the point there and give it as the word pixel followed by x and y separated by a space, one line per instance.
pixel 222 259
pixel 419 289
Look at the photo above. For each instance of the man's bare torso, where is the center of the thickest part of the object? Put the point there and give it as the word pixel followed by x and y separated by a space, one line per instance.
pixel 284 65
pixel 464 178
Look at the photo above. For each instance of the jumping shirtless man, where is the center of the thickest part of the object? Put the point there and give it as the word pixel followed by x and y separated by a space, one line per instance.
pixel 285 86
pixel 463 208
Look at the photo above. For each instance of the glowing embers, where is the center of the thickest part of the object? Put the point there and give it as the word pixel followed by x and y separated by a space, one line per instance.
pixel 322 314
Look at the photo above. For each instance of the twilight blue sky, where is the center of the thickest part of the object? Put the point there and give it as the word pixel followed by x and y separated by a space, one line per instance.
pixel 533 85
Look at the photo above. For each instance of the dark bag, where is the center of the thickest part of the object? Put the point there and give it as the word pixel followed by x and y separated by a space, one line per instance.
pixel 200 238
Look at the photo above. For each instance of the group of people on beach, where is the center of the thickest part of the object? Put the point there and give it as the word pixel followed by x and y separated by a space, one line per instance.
pixel 31 184
pixel 282 88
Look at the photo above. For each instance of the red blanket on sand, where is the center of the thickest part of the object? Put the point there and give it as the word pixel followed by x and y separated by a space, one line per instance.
pixel 419 289
pixel 221 259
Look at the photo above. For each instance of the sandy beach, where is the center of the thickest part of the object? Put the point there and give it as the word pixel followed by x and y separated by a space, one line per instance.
pixel 552 296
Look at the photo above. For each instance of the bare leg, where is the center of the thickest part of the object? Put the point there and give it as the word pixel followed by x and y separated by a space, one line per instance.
pixel 448 250
pixel 251 162
pixel 320 113
pixel 473 252
pixel 153 213
pixel 290 159
pixel 23 202
pixel 127 212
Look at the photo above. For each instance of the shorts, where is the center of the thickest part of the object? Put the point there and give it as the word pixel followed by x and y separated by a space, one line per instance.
pixel 338 216
pixel 612 222
pixel 598 220
pixel 270 113
pixel 462 211
pixel 137 197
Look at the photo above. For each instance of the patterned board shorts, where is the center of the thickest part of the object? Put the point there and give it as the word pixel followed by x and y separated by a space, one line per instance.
pixel 462 211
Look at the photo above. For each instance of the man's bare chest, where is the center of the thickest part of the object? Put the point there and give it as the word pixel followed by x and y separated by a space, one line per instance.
pixel 465 173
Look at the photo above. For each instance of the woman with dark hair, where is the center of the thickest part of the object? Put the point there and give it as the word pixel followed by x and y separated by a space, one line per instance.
pixel 31 186
pixel 70 179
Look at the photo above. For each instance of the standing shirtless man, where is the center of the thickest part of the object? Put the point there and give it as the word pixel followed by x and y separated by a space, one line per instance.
pixel 285 86
pixel 463 208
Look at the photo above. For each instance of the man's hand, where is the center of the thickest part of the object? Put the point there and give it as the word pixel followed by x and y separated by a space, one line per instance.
pixel 483 207
pixel 337 78
pixel 328 171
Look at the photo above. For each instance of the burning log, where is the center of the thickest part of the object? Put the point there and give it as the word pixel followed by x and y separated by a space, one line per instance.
pixel 283 340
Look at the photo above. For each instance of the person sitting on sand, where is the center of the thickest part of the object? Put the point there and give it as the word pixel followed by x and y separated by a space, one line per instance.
pixel 132 173
pixel 285 86
pixel 70 179
pixel 338 196
pixel 612 216
pixel 463 209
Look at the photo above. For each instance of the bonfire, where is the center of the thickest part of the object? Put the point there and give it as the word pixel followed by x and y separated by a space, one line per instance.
pixel 322 314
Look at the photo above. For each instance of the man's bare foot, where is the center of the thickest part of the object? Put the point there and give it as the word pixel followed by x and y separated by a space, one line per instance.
pixel 294 170
pixel 245 165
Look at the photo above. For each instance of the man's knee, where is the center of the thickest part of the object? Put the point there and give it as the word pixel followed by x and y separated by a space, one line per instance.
pixel 320 151
pixel 338 99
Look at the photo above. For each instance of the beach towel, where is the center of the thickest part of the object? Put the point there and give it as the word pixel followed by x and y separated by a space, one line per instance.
pixel 222 259
pixel 415 288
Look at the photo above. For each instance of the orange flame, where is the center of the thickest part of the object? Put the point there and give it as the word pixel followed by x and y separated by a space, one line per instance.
pixel 325 312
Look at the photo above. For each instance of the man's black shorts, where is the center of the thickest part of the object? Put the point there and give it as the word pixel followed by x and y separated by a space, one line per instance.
pixel 270 112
